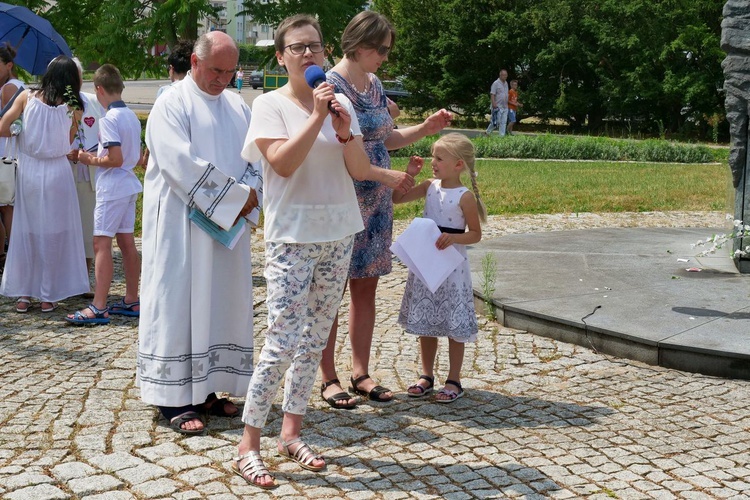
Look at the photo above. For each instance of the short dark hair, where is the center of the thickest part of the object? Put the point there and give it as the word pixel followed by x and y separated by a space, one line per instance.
pixel 295 21
pixel 61 83
pixel 108 77
pixel 179 58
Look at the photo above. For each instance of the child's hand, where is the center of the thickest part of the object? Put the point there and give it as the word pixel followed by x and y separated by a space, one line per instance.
pixel 445 240
pixel 85 157
pixel 415 165
pixel 73 155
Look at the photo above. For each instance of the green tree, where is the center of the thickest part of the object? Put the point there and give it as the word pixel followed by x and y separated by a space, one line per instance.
pixel 333 15
pixel 587 61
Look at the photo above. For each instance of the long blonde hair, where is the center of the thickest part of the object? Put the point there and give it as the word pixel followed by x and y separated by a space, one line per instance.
pixel 461 148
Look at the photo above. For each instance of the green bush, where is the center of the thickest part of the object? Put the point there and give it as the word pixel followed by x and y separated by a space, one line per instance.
pixel 555 147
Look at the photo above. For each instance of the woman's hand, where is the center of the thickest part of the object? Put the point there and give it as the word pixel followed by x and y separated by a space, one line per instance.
pixel 415 165
pixel 398 181
pixel 437 121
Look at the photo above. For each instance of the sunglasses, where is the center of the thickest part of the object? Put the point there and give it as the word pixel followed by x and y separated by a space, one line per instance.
pixel 383 50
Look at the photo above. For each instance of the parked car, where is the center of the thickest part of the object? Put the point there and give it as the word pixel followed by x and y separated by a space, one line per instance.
pixel 256 79
pixel 395 90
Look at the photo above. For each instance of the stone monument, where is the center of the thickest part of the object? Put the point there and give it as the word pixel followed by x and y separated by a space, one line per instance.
pixel 735 41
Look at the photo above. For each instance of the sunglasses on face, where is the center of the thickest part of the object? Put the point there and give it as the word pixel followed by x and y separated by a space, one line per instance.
pixel 383 50
pixel 300 48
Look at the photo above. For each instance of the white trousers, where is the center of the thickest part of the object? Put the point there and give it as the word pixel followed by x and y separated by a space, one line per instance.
pixel 305 283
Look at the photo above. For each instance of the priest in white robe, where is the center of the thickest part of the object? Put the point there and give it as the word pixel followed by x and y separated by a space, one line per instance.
pixel 195 335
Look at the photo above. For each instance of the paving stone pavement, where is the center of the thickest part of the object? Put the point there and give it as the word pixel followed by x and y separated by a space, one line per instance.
pixel 540 418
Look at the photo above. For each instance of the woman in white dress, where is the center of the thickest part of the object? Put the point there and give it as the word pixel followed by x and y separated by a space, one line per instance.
pixel 9 84
pixel 46 259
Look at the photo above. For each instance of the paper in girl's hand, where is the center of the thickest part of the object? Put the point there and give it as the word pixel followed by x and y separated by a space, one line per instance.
pixel 416 249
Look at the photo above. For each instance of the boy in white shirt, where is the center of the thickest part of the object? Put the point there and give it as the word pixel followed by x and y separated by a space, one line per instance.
pixel 117 189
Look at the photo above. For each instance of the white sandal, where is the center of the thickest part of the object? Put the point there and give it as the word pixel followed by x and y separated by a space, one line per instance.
pixel 253 469
pixel 303 455
pixel 23 301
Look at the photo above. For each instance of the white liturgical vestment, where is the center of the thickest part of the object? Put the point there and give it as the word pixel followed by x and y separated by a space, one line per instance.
pixel 196 324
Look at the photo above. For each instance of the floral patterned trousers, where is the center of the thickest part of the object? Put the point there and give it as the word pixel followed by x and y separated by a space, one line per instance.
pixel 305 283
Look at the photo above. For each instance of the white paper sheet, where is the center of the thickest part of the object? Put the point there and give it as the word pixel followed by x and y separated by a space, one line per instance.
pixel 416 249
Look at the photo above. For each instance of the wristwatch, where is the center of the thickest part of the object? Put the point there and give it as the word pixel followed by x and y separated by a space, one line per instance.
pixel 346 141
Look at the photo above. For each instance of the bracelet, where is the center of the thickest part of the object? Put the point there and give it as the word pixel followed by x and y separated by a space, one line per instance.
pixel 346 141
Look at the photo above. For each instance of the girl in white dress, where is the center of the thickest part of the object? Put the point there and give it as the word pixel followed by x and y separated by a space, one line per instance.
pixel 46 258
pixel 449 312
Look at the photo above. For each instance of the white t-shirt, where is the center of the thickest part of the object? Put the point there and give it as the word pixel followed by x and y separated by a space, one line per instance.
pixel 317 203
pixel 500 90
pixel 119 127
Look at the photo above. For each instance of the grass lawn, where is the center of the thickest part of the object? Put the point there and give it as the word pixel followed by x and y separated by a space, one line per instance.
pixel 543 187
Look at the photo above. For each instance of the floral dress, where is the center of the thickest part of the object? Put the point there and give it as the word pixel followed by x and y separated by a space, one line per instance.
pixel 371 256
pixel 449 312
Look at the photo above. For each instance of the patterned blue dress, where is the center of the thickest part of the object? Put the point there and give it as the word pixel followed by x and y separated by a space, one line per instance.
pixel 371 256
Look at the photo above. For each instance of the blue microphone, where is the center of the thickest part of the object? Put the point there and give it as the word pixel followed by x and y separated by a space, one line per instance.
pixel 314 75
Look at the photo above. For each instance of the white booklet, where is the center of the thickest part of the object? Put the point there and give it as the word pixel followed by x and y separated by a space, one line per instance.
pixel 416 249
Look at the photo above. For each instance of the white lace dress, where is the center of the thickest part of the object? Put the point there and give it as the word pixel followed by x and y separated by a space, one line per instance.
pixel 449 312
pixel 45 259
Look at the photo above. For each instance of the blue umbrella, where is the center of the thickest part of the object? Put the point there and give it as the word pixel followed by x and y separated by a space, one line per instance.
pixel 35 40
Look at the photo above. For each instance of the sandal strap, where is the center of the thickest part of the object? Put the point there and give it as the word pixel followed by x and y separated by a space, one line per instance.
pixel 303 454
pixel 333 381
pixel 453 382
pixel 429 379
pixel 361 378
pixel 254 465
pixel 98 312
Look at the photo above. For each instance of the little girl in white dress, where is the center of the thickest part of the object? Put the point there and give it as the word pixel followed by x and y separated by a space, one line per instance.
pixel 449 312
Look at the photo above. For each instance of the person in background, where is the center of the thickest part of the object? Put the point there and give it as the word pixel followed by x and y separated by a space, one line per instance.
pixel 179 64
pixel 499 98
pixel 45 256
pixel 240 77
pixel 513 105
pixel 195 333
pixel 117 189
pixel 366 43
pixel 87 138
pixel 9 83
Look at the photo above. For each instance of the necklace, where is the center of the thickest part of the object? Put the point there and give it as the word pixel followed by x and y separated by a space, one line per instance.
pixel 300 100
pixel 351 80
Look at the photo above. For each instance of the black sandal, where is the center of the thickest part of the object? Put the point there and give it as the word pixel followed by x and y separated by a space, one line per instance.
pixel 339 396
pixel 176 416
pixel 374 395
pixel 215 407
pixel 424 391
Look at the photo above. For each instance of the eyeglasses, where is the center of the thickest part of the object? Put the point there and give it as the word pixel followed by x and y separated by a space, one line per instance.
pixel 383 50
pixel 299 48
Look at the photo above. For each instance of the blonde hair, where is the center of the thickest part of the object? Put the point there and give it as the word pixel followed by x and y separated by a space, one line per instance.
pixel 461 148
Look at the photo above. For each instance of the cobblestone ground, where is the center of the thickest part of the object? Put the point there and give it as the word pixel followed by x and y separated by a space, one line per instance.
pixel 540 419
